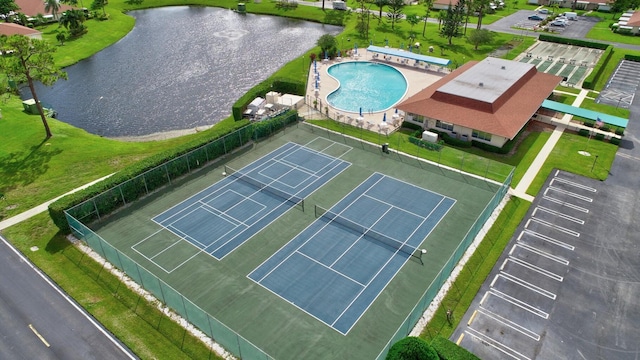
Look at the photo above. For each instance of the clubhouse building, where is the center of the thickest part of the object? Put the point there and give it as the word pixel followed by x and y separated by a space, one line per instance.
pixel 488 101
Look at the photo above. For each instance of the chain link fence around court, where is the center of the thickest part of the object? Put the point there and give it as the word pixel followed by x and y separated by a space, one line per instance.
pixel 412 319
pixel 94 209
pixel 144 184
pixel 470 168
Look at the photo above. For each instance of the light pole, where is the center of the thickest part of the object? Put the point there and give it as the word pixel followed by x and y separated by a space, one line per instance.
pixel 594 163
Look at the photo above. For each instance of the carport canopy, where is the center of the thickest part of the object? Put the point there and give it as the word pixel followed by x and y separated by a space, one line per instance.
pixel 409 55
pixel 585 113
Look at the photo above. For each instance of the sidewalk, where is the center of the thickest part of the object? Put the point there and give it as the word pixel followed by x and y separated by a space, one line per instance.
pixel 42 207
pixel 521 190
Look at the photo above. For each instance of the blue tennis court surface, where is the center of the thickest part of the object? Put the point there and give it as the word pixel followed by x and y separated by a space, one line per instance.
pixel 337 267
pixel 225 215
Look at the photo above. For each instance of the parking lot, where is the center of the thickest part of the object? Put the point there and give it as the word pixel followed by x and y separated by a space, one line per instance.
pixel 622 85
pixel 518 22
pixel 565 287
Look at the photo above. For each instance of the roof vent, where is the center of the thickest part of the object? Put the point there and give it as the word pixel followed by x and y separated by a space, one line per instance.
pixel 504 67
pixel 481 84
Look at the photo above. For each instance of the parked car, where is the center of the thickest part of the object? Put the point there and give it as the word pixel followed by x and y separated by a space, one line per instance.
pixel 558 23
pixel 536 17
pixel 543 11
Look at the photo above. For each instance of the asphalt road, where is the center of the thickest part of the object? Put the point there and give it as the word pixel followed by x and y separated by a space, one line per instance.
pixel 39 321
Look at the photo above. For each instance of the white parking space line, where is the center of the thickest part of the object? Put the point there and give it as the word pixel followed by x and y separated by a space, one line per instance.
pixel 557 213
pixel 574 184
pixel 532 267
pixel 496 345
pixel 517 327
pixel 547 239
pixel 555 258
pixel 525 284
pixel 572 194
pixel 553 226
pixel 521 304
pixel 564 203
pixel 627 156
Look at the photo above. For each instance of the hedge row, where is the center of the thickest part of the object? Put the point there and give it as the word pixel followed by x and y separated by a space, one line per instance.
pixel 411 126
pixel 631 57
pixel 285 86
pixel 577 42
pixel 448 350
pixel 148 175
pixel 591 80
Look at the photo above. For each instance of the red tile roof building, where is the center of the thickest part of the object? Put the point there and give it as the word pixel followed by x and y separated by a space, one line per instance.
pixel 32 8
pixel 490 100
pixel 9 29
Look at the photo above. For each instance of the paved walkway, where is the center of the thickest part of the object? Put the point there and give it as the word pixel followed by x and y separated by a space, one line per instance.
pixel 42 207
pixel 521 190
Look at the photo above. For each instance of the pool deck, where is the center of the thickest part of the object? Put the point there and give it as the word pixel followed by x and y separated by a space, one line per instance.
pixel 418 78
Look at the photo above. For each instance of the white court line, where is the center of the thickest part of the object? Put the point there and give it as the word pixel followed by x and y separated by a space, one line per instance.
pixel 515 326
pixel 553 226
pixel 532 267
pixel 547 239
pixel 327 147
pixel 545 254
pixel 330 268
pixel 395 207
pixel 527 285
pixel 564 203
pixel 558 214
pixel 521 304
pixel 574 184
pixel 572 194
pixel 496 344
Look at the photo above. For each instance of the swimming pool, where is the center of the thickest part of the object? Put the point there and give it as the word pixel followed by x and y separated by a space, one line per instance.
pixel 367 85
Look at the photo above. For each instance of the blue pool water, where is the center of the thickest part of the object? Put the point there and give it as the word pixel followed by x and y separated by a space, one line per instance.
pixel 367 85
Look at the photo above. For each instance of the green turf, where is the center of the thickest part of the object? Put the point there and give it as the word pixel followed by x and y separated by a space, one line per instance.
pixel 578 75
pixel 555 68
pixel 222 288
pixel 567 70
pixel 544 66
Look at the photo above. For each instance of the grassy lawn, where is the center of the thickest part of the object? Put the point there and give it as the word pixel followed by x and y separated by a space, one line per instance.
pixel 601 30
pixel 565 156
pixel 617 56
pixel 605 109
pixel 466 285
pixel 568 89
pixel 35 170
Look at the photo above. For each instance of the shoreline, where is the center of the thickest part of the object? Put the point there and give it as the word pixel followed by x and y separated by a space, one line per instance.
pixel 164 135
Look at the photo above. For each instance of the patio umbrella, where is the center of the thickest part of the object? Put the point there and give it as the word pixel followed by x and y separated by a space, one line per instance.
pixel 384 118
pixel 396 115
pixel 386 42
pixel 355 46
pixel 315 65
pixel 316 83
pixel 361 111
pixel 410 48
pixel 325 54
pixel 339 53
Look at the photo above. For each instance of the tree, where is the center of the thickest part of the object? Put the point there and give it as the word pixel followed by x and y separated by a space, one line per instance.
pixel 30 61
pixel 413 20
pixel 97 5
pixel 327 43
pixel 481 7
pixel 363 19
pixel 395 11
pixel 73 20
pixel 442 14
pixel 380 4
pixel 7 6
pixel 60 36
pixel 133 2
pixel 412 348
pixel 52 6
pixel 427 4
pixel 481 37
pixel 453 20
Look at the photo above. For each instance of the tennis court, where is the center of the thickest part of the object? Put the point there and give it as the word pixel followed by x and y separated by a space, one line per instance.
pixel 223 216
pixel 295 249
pixel 337 267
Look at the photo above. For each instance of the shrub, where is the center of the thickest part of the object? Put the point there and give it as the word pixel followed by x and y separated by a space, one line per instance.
pixel 577 42
pixel 620 131
pixel 599 136
pixel 426 144
pixel 614 141
pixel 448 350
pixel 591 80
pixel 631 57
pixel 412 126
pixel 412 348
pixel 583 132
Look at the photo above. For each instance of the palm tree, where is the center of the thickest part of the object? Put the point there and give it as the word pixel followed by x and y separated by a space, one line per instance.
pixel 52 6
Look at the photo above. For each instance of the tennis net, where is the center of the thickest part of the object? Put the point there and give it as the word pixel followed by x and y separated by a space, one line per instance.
pixel 366 232
pixel 261 186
